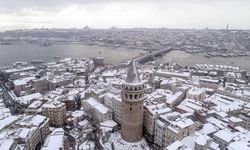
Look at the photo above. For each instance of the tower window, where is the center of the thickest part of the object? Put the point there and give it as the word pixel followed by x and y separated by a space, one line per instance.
pixel 136 96
pixel 130 96
pixel 130 108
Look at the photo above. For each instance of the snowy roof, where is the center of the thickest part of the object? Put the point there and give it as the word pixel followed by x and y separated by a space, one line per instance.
pixel 108 123
pixel 172 98
pixel 196 91
pixel 23 81
pixel 173 74
pixel 119 144
pixel 35 104
pixel 208 128
pixel 55 140
pixel 234 119
pixel 216 122
pixel 189 141
pixel 214 146
pixel 7 121
pixel 31 120
pixel 12 70
pixel 24 132
pixel 53 104
pixel 6 144
pixel 210 80
pixel 97 105
pixel 158 108
pixel 224 135
pixel 225 103
pixel 83 123
pixel 87 145
pixel 244 145
pixel 132 74
pixel 177 145
pixel 202 140
pixel 27 98
pixel 77 113
pixel 190 105
pixel 176 121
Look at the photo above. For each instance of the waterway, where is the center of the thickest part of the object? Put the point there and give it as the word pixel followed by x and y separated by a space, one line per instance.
pixel 28 52
pixel 187 59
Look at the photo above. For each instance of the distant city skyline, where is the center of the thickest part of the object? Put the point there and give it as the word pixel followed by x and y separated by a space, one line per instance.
pixel 189 14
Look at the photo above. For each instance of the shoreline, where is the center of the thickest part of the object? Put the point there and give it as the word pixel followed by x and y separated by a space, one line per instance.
pixel 206 54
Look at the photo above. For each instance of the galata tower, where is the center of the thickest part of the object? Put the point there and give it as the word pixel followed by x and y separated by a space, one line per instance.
pixel 132 105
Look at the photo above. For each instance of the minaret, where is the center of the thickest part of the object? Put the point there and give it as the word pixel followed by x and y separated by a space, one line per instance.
pixel 132 105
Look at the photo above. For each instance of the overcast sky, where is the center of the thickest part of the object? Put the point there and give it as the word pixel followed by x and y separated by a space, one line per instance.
pixel 15 14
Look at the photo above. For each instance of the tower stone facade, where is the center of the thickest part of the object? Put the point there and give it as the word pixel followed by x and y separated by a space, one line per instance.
pixel 132 105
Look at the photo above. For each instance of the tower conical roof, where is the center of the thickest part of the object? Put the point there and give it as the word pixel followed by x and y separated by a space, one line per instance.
pixel 132 74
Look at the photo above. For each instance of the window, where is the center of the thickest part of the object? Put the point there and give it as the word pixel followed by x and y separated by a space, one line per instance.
pixel 130 96
pixel 135 96
pixel 130 108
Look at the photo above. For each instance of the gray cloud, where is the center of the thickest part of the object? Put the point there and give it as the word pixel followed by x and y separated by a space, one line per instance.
pixel 126 13
pixel 55 5
pixel 60 3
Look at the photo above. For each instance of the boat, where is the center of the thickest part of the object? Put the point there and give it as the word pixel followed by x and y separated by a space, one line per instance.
pixel 117 45
pixel 207 55
pixel 45 43
pixel 37 61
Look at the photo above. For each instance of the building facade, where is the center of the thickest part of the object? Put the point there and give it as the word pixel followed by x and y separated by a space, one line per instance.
pixel 56 112
pixel 172 127
pixel 96 110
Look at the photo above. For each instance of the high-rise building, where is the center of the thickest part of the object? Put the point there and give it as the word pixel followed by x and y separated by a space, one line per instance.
pixel 132 105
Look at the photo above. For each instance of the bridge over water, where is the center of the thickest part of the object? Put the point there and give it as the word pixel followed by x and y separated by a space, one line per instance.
pixel 141 58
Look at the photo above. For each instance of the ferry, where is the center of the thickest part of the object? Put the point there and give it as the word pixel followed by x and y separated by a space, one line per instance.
pixel 45 43
pixel 37 61
pixel 207 55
